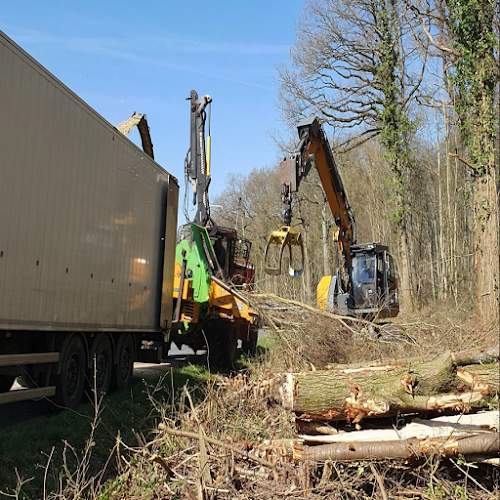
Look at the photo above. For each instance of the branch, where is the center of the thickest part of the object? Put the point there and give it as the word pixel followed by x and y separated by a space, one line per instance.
pixel 194 435
pixel 463 160
pixel 433 42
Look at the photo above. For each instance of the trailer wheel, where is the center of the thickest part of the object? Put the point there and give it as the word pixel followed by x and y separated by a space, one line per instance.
pixel 125 364
pixel 5 383
pixel 103 356
pixel 250 347
pixel 71 381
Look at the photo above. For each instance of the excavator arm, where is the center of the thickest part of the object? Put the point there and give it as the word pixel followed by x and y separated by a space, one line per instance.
pixel 313 150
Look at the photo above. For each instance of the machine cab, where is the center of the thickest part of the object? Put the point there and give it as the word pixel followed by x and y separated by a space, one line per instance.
pixel 374 283
pixel 233 254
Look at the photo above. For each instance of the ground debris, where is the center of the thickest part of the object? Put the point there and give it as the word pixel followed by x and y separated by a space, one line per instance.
pixel 251 450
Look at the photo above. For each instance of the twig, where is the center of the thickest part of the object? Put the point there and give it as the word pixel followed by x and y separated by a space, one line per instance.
pixel 469 476
pixel 380 482
pixel 194 435
pixel 45 473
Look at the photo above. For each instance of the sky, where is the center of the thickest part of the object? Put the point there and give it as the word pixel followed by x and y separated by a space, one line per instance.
pixel 145 57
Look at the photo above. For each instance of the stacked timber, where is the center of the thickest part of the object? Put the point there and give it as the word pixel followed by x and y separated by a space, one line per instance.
pixel 464 385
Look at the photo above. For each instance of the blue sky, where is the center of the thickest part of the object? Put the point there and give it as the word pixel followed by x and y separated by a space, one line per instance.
pixel 122 57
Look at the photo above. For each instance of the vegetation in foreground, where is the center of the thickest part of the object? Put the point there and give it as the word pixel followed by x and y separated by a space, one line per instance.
pixel 146 444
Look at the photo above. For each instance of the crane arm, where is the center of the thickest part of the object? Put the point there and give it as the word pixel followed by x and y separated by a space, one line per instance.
pixel 197 161
pixel 313 150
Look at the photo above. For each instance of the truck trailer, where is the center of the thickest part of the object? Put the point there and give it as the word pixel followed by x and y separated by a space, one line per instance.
pixel 91 276
pixel 87 241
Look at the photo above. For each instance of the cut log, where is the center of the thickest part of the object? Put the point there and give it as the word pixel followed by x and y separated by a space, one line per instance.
pixel 352 395
pixel 441 427
pixel 483 378
pixel 482 356
pixel 481 444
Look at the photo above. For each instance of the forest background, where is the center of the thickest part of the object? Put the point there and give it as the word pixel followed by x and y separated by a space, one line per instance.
pixel 409 94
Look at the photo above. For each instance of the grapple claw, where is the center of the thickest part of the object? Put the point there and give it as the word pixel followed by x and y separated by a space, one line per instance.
pixel 285 237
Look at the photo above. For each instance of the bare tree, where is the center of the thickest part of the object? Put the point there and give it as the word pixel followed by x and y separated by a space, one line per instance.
pixel 465 35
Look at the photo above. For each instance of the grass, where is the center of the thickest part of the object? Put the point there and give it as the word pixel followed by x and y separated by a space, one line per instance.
pixel 26 446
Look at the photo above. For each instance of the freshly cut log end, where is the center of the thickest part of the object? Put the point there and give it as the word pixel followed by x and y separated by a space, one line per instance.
pixel 288 390
pixel 481 378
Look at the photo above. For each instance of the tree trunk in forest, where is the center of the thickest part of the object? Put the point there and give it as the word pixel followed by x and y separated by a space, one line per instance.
pixel 487 249
pixel 324 235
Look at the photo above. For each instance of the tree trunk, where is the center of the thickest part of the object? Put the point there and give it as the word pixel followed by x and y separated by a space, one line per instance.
pixel 487 247
pixel 405 289
pixel 324 235
pixel 354 394
pixel 481 444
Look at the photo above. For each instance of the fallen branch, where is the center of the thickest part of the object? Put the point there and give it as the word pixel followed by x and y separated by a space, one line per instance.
pixel 216 442
pixel 341 319
pixel 481 444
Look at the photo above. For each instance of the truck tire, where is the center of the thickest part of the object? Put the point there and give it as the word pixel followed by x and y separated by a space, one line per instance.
pixel 6 383
pixel 250 347
pixel 103 356
pixel 71 381
pixel 124 368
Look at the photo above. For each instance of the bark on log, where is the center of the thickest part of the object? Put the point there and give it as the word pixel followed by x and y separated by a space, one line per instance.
pixel 481 444
pixel 356 394
pixel 482 356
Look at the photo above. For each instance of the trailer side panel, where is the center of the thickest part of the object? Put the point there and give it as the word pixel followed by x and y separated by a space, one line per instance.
pixel 83 212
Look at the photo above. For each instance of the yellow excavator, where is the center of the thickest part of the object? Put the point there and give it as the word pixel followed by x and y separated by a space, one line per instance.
pixel 365 283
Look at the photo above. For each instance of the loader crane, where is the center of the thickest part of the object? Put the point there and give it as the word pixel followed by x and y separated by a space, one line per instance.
pixel 364 284
pixel 232 250
pixel 213 259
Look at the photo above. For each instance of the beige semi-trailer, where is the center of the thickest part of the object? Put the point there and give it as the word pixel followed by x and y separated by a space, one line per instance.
pixel 87 241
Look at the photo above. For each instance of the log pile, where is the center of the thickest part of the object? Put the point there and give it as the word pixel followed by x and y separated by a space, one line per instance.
pixel 453 384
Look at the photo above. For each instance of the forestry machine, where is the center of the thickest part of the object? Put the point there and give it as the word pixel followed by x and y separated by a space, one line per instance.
pixel 211 263
pixel 365 282
pixel 208 309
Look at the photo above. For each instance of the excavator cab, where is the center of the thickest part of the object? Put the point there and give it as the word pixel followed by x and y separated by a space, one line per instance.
pixel 374 284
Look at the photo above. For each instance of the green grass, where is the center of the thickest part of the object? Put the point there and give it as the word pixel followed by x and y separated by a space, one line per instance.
pixel 266 343
pixel 27 445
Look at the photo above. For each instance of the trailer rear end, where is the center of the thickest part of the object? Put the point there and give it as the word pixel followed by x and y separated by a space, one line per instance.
pixel 87 240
